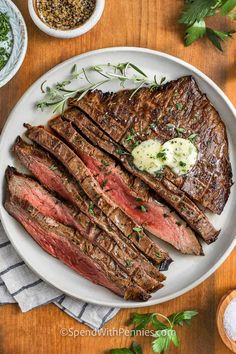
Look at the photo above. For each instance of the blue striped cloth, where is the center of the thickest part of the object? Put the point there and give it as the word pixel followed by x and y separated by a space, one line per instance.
pixel 18 284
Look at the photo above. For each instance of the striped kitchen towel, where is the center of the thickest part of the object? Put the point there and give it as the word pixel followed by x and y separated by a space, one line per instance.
pixel 19 284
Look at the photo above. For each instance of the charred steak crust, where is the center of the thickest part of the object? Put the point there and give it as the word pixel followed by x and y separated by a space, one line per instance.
pixel 80 172
pixel 195 218
pixel 28 190
pixel 149 115
pixel 155 219
pixel 56 179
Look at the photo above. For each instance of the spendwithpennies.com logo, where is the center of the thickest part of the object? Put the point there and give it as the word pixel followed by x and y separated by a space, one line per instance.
pixel 114 332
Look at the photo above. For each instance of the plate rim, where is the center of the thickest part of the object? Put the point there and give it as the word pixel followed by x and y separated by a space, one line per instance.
pixel 227 102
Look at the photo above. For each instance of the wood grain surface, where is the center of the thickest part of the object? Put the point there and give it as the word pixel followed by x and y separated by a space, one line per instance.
pixel 142 23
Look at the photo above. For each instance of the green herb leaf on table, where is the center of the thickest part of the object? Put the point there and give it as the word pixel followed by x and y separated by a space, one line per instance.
pixel 165 333
pixel 194 16
pixel 194 32
pixel 196 10
pixel 134 349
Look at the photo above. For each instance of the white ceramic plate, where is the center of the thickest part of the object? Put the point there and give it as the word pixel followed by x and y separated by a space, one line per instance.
pixel 187 271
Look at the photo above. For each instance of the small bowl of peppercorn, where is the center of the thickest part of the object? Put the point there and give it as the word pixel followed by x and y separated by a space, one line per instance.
pixel 65 18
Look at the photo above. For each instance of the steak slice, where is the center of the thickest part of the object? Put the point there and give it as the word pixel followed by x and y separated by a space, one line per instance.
pixel 151 113
pixel 152 216
pixel 186 208
pixel 55 178
pixel 27 189
pixel 80 172
pixel 74 250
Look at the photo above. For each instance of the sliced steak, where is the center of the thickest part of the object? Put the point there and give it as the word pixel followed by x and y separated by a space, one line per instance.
pixel 185 207
pixel 80 172
pixel 27 189
pixel 151 216
pixel 74 250
pixel 151 113
pixel 51 174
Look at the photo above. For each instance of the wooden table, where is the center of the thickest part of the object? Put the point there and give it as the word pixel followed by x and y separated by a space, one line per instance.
pixel 144 23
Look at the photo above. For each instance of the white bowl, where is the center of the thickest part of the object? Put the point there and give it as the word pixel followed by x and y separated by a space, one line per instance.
pixel 20 40
pixel 90 23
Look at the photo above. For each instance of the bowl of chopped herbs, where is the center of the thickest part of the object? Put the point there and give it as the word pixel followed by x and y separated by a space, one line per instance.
pixel 13 40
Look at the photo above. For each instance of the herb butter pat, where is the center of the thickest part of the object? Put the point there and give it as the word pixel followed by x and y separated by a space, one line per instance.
pixel 145 156
pixel 179 154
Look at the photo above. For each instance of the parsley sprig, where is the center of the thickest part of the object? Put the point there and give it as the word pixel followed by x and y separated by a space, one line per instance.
pixel 57 95
pixel 164 332
pixel 134 349
pixel 194 17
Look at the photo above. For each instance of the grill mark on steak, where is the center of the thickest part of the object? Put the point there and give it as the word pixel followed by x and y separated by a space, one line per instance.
pixel 79 171
pixel 180 103
pixel 75 251
pixel 196 219
pixel 164 226
pixel 58 180
pixel 27 189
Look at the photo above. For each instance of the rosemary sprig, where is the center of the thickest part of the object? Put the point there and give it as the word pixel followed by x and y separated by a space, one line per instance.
pixel 56 97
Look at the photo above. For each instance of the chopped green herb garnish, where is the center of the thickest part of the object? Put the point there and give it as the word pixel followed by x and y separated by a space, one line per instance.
pixel 179 106
pixel 170 126
pixel 143 208
pixel 121 151
pixel 180 130
pixel 158 254
pixel 138 229
pixel 161 155
pixel 182 164
pixel 53 167
pixel 192 137
pixel 91 208
pixel 105 163
pixel 5 29
pixel 129 263
pixel 153 126
pixel 138 199
pixel 178 223
pixel 104 183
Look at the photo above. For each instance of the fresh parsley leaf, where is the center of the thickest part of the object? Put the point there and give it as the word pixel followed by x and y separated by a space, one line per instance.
pixel 214 38
pixel 195 31
pixel 161 344
pixel 228 6
pixel 181 318
pixel 158 325
pixel 141 321
pixel 165 333
pixel 134 349
pixel 196 10
pixel 121 351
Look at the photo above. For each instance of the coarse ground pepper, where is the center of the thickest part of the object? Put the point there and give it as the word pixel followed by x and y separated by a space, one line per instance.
pixel 65 14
